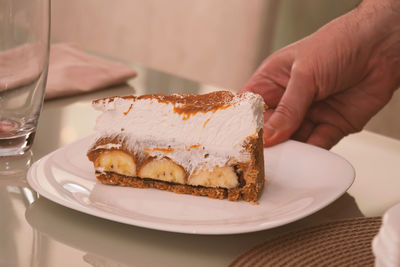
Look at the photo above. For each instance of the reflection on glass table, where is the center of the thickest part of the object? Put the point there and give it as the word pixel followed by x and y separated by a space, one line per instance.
pixel 91 239
pixel 18 241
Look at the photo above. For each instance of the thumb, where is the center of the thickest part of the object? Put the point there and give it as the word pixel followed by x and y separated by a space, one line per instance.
pixel 292 108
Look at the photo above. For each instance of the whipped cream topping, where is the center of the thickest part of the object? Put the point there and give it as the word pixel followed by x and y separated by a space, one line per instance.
pixel 203 138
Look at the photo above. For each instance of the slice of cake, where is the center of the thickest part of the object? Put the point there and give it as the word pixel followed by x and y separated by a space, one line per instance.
pixel 209 145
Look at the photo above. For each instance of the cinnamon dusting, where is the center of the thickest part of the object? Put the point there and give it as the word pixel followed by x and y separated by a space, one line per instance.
pixel 186 104
pixel 187 110
pixel 205 123
pixel 188 148
pixel 160 149
pixel 130 107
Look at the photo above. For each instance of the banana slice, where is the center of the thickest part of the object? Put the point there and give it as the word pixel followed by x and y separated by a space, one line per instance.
pixel 164 170
pixel 116 161
pixel 224 177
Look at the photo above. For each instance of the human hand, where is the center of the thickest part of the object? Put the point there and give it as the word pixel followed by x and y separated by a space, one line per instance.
pixel 332 82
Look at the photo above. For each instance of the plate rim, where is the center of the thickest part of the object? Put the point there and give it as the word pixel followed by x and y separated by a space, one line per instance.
pixel 32 181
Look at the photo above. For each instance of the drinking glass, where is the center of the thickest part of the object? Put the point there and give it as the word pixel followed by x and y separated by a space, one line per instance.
pixel 24 57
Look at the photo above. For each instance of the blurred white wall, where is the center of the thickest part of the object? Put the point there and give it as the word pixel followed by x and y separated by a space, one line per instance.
pixel 217 42
pixel 214 41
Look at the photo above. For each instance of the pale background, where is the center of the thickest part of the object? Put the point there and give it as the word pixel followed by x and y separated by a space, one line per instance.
pixel 217 42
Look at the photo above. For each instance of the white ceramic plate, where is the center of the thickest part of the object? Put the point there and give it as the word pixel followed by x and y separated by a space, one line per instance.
pixel 302 179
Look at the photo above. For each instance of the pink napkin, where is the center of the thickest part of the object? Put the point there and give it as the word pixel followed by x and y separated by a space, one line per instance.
pixel 71 71
pixel 18 66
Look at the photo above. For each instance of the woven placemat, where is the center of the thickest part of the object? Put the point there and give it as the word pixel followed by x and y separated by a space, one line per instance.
pixel 340 243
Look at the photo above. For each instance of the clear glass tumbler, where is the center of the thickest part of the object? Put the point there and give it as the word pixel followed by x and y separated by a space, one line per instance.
pixel 24 57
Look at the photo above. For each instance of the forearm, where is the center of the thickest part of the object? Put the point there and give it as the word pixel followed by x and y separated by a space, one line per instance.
pixel 381 20
pixel 382 17
pixel 393 5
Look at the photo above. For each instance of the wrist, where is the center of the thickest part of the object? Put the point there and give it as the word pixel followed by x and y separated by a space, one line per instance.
pixel 390 5
pixel 381 20
pixel 383 16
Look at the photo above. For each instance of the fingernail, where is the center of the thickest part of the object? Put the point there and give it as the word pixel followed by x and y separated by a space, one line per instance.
pixel 268 132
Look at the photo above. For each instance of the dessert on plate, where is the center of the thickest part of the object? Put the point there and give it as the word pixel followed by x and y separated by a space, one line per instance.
pixel 207 145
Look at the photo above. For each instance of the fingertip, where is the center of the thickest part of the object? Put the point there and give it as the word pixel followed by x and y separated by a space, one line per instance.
pixel 273 136
pixel 269 132
pixel 253 85
pixel 244 89
pixel 279 127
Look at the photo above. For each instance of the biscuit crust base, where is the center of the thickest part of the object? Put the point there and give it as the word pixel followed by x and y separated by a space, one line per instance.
pixel 252 173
